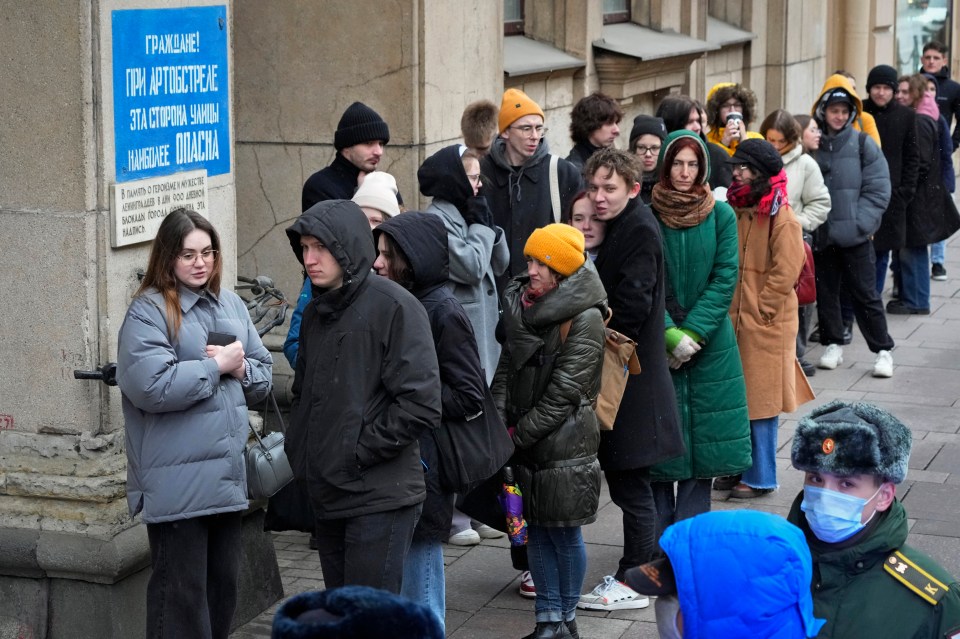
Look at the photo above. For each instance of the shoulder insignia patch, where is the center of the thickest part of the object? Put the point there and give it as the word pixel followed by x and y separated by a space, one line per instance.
pixel 920 582
pixel 953 634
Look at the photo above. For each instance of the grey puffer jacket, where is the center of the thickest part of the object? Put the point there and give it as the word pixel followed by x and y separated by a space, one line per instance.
pixel 859 187
pixel 547 389
pixel 186 424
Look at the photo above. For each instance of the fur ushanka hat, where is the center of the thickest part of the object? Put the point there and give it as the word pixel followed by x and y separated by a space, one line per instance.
pixel 354 612
pixel 843 438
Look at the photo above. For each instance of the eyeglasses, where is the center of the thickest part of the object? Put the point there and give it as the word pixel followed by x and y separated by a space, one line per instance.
pixel 530 131
pixel 474 178
pixel 644 150
pixel 189 257
pixel 731 105
pixel 741 167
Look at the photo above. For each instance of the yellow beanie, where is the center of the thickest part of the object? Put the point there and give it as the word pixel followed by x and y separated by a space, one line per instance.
pixel 514 106
pixel 559 246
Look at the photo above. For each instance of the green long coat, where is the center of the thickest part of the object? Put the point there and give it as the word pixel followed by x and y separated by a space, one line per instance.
pixel 701 262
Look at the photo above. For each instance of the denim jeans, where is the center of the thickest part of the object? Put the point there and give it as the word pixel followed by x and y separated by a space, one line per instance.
pixel 423 577
pixel 691 497
pixel 558 563
pixel 630 491
pixel 938 252
pixel 915 277
pixel 763 440
pixel 368 550
pixel 857 266
pixel 192 591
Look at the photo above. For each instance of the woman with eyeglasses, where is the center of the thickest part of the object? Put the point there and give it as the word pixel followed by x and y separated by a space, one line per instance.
pixel 807 193
pixel 646 139
pixel 189 360
pixel 764 308
pixel 700 254
pixel 730 110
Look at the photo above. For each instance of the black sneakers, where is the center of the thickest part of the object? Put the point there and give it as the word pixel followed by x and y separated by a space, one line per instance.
pixel 937 272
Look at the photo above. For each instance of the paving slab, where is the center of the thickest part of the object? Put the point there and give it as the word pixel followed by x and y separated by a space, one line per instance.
pixel 947 460
pixel 937 502
pixel 945 550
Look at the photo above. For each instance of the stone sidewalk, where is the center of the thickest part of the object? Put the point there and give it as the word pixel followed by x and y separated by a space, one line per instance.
pixel 482 600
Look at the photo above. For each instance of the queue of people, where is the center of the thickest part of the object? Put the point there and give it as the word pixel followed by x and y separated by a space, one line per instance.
pixel 690 243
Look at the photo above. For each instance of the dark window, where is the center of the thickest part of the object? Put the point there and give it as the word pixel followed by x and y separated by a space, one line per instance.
pixel 512 17
pixel 616 11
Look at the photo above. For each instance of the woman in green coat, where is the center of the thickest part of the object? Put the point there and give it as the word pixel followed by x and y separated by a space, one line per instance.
pixel 700 252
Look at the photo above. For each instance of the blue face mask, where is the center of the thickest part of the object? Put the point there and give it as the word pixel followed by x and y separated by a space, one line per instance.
pixel 834 516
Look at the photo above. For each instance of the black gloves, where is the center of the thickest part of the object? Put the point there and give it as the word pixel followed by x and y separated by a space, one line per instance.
pixel 478 212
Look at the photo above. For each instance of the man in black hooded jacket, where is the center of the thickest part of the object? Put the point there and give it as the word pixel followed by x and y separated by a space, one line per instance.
pixel 367 385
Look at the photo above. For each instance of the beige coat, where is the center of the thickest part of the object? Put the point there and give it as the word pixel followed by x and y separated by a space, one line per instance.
pixel 764 312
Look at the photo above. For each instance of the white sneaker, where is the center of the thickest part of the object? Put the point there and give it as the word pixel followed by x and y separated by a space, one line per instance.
pixel 831 358
pixel 883 366
pixel 486 532
pixel 527 588
pixel 468 537
pixel 613 595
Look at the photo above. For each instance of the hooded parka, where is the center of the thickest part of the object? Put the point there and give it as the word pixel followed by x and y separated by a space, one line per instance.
pixel 858 597
pixel 367 383
pixel 423 240
pixel 546 389
pixel 630 263
pixel 701 264
pixel 478 254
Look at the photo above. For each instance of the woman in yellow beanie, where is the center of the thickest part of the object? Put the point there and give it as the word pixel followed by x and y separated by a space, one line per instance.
pixel 546 382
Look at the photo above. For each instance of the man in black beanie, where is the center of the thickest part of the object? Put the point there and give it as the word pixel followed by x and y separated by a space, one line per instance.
pixel 898 141
pixel 867 582
pixel 359 141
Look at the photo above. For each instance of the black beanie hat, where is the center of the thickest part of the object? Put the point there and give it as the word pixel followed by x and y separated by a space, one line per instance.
pixel 647 125
pixel 883 74
pixel 359 123
pixel 759 154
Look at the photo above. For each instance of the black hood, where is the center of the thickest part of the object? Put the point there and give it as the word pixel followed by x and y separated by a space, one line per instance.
pixel 423 239
pixel 342 227
pixel 442 176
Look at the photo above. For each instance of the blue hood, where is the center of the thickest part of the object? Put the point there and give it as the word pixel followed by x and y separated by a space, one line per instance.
pixel 742 574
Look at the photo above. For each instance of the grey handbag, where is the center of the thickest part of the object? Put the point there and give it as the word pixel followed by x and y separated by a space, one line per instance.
pixel 267 467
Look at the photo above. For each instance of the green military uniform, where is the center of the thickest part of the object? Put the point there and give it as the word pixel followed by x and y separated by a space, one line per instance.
pixel 877 587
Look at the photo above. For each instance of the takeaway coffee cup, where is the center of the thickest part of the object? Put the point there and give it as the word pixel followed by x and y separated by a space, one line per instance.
pixel 733 116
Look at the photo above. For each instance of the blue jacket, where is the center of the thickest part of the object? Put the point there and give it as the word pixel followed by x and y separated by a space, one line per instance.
pixel 186 424
pixel 742 574
pixel 291 345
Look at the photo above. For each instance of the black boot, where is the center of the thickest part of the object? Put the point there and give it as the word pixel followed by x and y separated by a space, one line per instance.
pixel 550 630
pixel 572 628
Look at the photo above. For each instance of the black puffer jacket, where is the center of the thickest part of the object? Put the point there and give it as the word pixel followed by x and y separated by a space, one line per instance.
pixel 546 390
pixel 367 383
pixel 423 240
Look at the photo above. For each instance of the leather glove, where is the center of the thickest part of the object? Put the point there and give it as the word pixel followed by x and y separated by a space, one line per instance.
pixel 686 349
pixel 478 211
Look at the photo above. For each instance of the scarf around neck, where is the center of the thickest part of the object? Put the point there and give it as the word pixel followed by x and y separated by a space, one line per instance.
pixel 739 195
pixel 682 210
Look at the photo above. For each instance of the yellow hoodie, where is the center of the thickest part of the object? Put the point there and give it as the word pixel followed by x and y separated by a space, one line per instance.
pixel 863 122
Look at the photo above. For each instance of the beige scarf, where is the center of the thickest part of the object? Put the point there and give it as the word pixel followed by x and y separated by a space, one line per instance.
pixel 682 210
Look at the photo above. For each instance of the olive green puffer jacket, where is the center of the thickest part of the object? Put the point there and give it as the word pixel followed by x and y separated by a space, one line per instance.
pixel 546 390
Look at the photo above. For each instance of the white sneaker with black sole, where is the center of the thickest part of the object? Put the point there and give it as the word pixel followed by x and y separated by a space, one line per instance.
pixel 613 595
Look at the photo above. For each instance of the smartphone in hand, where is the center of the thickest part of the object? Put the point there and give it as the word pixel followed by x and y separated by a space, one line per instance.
pixel 220 339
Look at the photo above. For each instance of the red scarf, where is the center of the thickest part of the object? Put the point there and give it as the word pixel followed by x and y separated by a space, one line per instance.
pixel 530 296
pixel 740 196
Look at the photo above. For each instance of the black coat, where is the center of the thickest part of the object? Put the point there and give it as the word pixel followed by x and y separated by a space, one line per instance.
pixel 335 182
pixel 520 198
pixel 546 390
pixel 721 171
pixel 897 126
pixel 630 263
pixel 423 239
pixel 367 383
pixel 580 153
pixel 948 101
pixel 931 214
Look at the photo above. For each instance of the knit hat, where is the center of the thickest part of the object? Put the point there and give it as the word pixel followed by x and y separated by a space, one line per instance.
pixel 515 105
pixel 378 191
pixel 647 125
pixel 844 438
pixel 883 74
pixel 759 154
pixel 354 612
pixel 559 246
pixel 358 124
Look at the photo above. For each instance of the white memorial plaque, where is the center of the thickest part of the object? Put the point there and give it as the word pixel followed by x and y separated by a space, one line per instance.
pixel 138 207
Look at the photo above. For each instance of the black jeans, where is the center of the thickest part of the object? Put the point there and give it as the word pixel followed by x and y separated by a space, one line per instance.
pixel 856 265
pixel 676 501
pixel 631 491
pixel 368 550
pixel 196 565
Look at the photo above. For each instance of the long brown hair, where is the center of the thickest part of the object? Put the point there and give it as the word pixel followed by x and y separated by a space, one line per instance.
pixel 781 120
pixel 163 254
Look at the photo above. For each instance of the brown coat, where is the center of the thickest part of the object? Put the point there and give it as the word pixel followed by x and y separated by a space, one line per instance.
pixel 764 312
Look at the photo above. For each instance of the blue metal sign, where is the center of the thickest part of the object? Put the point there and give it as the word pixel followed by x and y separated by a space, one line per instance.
pixel 171 106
